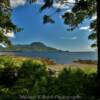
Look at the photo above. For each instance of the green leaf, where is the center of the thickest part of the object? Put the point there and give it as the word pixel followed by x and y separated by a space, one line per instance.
pixel 94 45
pixel 47 19
pixel 92 36
pixel 47 4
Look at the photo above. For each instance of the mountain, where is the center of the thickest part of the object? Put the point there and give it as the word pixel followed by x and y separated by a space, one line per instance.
pixel 34 46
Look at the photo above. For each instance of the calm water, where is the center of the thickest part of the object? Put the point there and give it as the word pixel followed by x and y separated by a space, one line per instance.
pixel 58 57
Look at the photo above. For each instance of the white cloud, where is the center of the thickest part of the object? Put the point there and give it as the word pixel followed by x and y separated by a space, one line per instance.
pixel 10 34
pixel 74 38
pixel 84 28
pixel 2 45
pixel 57 5
pixel 94 17
pixel 90 30
pixel 69 38
pixel 64 6
pixel 15 3
pixel 72 1
pixel 39 2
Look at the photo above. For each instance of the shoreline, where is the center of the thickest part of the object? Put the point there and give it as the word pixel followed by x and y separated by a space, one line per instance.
pixel 78 61
pixel 18 60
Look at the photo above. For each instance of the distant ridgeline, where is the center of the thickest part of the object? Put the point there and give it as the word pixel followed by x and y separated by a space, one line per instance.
pixel 35 46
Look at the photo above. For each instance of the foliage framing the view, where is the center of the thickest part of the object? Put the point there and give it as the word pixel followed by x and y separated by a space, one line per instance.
pixel 81 9
pixel 6 25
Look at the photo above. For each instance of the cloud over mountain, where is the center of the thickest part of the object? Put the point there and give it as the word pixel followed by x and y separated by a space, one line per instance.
pixel 15 3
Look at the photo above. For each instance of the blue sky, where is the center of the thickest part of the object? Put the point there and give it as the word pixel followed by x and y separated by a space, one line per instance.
pixel 55 35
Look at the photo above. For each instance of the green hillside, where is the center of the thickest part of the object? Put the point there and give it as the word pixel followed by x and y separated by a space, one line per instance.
pixel 34 46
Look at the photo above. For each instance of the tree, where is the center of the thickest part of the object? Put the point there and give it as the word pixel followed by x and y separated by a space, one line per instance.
pixel 81 9
pixel 6 24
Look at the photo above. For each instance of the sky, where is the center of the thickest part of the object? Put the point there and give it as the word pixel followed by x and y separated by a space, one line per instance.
pixel 55 35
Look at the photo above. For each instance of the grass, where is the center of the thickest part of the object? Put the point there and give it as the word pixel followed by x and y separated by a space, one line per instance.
pixel 87 68
pixel 18 60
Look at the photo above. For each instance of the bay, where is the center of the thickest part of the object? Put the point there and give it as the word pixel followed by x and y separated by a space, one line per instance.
pixel 57 57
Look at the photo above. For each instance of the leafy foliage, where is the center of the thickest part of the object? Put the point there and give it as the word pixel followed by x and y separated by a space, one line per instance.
pixel 47 19
pixel 8 72
pixel 4 39
pixel 47 4
pixel 94 45
pixel 93 36
pixel 32 79
pixel 6 24
pixel 81 9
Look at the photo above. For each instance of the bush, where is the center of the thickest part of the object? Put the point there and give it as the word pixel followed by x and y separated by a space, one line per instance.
pixel 32 79
pixel 73 83
pixel 6 62
pixel 8 72
pixel 32 70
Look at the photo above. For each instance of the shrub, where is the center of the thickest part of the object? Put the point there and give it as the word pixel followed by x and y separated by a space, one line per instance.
pixel 32 70
pixel 6 62
pixel 8 76
pixel 73 83
pixel 32 79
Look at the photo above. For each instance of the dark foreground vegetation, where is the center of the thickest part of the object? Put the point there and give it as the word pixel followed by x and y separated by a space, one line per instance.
pixel 31 80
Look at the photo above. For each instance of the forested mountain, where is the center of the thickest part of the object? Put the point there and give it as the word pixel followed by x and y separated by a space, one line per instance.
pixel 34 46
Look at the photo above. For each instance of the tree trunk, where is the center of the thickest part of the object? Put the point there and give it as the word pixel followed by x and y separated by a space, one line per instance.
pixel 98 39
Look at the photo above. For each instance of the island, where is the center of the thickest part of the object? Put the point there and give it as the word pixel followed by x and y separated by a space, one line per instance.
pixel 34 46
